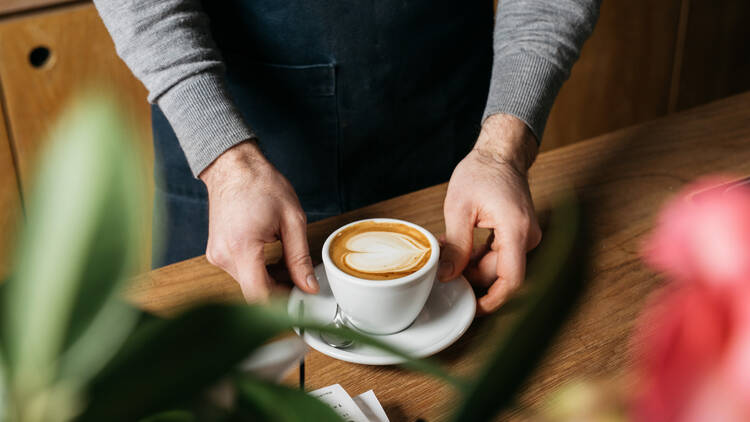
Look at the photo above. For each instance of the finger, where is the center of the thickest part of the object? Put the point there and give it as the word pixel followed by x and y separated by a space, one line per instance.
pixel 498 293
pixel 297 254
pixel 252 275
pixel 459 230
pixel 511 265
pixel 483 272
pixel 535 236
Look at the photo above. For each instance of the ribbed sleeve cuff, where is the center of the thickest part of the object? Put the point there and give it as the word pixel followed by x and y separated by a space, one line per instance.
pixel 204 118
pixel 525 86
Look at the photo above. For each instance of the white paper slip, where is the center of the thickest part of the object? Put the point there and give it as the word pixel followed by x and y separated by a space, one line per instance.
pixel 341 403
pixel 371 407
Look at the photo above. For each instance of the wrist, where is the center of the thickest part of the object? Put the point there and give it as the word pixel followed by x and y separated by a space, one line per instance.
pixel 507 139
pixel 245 155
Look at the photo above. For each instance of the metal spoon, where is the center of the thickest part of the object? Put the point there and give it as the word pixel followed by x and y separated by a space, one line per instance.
pixel 332 339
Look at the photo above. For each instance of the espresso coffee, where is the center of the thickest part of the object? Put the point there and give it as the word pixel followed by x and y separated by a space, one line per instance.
pixel 380 250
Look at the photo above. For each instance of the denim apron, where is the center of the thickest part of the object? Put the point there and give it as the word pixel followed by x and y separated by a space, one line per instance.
pixel 353 101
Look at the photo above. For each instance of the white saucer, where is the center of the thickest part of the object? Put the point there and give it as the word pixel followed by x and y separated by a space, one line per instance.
pixel 446 316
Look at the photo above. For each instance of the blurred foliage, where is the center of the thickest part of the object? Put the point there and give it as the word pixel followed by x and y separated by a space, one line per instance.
pixel 62 318
pixel 553 283
pixel 71 349
pixel 585 401
pixel 268 402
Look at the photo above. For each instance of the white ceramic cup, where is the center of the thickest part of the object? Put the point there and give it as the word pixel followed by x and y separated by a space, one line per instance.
pixel 382 306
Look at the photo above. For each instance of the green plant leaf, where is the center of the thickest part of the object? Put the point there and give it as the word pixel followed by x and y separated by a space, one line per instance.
pixel 279 313
pixel 264 401
pixel 168 362
pixel 101 340
pixel 171 416
pixel 78 244
pixel 3 388
pixel 555 280
pixel 425 366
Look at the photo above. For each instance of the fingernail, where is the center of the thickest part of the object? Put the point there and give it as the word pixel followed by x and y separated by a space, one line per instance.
pixel 445 269
pixel 312 282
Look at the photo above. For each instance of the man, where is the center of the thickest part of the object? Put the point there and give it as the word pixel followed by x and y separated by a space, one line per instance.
pixel 295 110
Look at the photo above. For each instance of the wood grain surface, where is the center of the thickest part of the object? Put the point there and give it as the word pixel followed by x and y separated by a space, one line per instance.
pixel 82 58
pixel 624 176
pixel 10 199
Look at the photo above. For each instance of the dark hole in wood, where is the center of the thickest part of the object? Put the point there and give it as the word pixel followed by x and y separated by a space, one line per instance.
pixel 39 56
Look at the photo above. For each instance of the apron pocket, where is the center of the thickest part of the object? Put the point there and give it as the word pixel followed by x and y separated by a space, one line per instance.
pixel 315 80
pixel 292 109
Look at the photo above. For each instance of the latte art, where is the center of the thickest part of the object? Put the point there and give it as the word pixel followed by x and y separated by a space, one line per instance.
pixel 383 252
pixel 380 251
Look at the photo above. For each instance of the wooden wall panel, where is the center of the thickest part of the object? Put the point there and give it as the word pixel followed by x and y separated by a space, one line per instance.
pixel 716 58
pixel 10 199
pixel 81 57
pixel 624 73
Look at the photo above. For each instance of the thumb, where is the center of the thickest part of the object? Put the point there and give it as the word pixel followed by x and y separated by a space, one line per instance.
pixel 455 253
pixel 297 254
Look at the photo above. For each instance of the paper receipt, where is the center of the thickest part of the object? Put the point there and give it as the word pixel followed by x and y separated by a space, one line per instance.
pixel 341 403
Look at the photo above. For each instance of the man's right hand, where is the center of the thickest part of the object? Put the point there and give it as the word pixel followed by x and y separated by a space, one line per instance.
pixel 251 204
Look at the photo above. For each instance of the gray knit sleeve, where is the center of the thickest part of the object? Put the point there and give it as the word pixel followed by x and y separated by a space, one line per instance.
pixel 536 43
pixel 167 45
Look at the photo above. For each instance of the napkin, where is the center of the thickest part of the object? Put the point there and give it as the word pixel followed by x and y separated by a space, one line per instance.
pixel 363 408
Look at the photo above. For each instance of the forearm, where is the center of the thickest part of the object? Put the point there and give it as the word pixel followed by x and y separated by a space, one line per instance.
pixel 167 45
pixel 536 43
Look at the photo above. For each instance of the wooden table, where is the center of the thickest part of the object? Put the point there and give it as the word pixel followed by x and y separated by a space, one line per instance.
pixel 627 174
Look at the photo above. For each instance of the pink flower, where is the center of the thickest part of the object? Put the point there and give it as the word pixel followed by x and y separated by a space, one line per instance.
pixel 692 343
pixel 704 235
pixel 692 355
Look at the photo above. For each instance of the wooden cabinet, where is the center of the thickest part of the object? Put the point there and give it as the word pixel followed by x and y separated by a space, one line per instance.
pixel 11 6
pixel 646 59
pixel 624 73
pixel 716 58
pixel 46 59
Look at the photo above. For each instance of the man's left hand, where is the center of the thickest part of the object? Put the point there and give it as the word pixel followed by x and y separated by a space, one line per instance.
pixel 489 189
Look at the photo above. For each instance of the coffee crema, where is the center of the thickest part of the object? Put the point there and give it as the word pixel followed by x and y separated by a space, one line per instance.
pixel 380 250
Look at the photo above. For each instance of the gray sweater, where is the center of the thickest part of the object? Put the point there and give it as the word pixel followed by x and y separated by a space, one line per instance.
pixel 167 45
